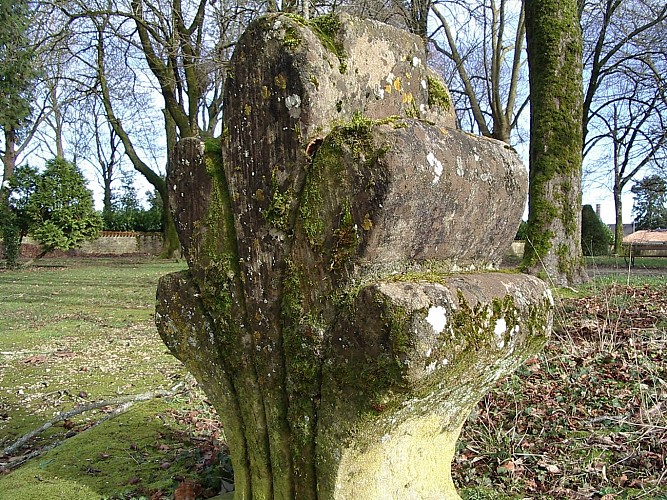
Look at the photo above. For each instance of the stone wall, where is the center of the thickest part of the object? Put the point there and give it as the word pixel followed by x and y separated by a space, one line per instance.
pixel 108 244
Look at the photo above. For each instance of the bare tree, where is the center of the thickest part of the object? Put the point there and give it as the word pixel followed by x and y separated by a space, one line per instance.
pixel 484 41
pixel 624 105
pixel 633 126
pixel 616 32
pixel 179 49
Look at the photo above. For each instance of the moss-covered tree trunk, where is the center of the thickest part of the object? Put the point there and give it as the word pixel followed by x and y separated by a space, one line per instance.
pixel 554 45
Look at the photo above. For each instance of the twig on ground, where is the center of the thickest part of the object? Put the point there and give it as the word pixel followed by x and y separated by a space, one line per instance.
pixel 123 403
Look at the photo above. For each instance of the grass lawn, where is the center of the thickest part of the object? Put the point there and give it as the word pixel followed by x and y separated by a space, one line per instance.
pixel 658 263
pixel 74 332
pixel 585 419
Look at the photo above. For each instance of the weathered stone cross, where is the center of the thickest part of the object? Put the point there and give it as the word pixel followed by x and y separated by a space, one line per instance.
pixel 339 310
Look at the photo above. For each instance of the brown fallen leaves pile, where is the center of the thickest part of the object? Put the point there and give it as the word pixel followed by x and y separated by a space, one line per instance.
pixel 585 419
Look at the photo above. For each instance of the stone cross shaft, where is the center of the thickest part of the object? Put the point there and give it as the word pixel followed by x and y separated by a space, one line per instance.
pixel 340 307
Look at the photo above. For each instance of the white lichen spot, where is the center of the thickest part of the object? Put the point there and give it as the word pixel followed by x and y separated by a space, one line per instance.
pixel 550 297
pixel 277 25
pixel 416 62
pixel 422 108
pixel 293 104
pixel 424 85
pixel 437 318
pixel 378 91
pixel 459 167
pixel 246 153
pixel 499 332
pixel 390 78
pixel 431 367
pixel 435 165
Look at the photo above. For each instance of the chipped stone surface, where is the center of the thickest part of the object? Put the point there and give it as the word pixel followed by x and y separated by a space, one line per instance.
pixel 424 208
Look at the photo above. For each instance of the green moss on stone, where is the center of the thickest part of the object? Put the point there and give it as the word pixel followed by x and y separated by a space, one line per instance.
pixel 355 137
pixel 302 339
pixel 280 81
pixel 219 245
pixel 278 211
pixel 438 95
pixel 346 239
pixel 327 28
pixel 292 38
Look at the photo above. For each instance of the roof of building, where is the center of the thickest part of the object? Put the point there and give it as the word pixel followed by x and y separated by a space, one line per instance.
pixel 647 236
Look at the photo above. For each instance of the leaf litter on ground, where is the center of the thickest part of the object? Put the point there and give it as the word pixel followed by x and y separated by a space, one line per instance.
pixel 587 418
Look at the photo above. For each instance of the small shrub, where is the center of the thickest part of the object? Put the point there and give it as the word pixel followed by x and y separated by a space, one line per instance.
pixel 595 235
pixel 11 243
pixel 521 232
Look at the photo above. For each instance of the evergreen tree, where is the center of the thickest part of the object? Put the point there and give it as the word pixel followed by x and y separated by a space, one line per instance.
pixel 13 214
pixel 17 75
pixel 61 208
pixel 650 204
pixel 595 235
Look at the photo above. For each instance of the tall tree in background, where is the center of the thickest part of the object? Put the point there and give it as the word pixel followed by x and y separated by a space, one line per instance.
pixel 554 45
pixel 650 206
pixel 180 49
pixel 487 61
pixel 618 34
pixel 636 129
pixel 17 75
pixel 171 244
pixel 625 104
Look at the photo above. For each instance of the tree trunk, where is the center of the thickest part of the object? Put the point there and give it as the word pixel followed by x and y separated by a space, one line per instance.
pixel 171 247
pixel 618 230
pixel 107 178
pixel 9 158
pixel 554 47
pixel 57 122
pixel 11 237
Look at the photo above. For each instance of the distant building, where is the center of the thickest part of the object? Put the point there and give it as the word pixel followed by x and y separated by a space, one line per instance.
pixel 627 228
pixel 651 237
